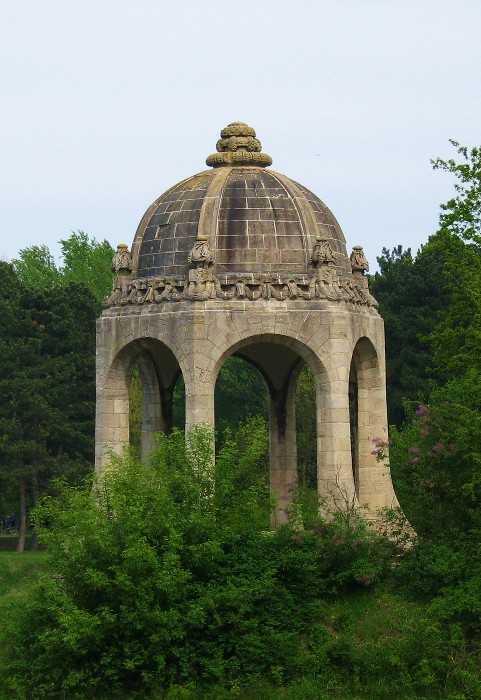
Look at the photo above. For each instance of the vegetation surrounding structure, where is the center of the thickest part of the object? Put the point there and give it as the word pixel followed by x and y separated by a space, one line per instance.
pixel 166 582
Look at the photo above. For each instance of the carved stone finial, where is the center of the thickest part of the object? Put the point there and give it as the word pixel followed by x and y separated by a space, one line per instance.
pixel 359 261
pixel 200 255
pixel 122 260
pixel 238 145
pixel 122 266
pixel 201 277
pixel 322 253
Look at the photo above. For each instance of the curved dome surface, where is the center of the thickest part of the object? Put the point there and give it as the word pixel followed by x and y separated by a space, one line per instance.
pixel 255 220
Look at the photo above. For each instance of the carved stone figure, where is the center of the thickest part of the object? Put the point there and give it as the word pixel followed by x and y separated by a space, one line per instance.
pixel 322 253
pixel 359 261
pixel 122 265
pixel 326 286
pixel 122 260
pixel 201 279
pixel 363 288
pixel 200 255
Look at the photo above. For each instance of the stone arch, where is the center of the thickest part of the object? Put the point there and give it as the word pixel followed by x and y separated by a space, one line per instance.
pixel 373 486
pixel 280 358
pixel 159 370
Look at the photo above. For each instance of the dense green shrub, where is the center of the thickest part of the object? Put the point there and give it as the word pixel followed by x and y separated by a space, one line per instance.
pixel 436 462
pixel 166 574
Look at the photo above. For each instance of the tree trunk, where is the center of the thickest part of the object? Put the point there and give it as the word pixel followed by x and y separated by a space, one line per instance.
pixel 34 541
pixel 22 532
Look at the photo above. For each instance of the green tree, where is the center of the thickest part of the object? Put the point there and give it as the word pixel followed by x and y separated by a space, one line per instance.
pixel 240 392
pixel 306 429
pixel 83 260
pixel 456 338
pixel 23 401
pixel 47 386
pixel 461 215
pixel 36 267
pixel 436 458
pixel 88 261
pixel 412 293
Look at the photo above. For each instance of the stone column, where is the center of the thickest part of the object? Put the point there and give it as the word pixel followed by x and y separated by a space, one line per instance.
pixel 376 488
pixel 199 399
pixel 112 415
pixel 282 447
pixel 152 414
pixel 335 477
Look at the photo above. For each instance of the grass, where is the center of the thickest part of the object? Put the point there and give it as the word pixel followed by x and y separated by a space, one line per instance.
pixel 8 542
pixel 18 575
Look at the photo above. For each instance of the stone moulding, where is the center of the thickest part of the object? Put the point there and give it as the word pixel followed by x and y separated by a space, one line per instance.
pixel 324 284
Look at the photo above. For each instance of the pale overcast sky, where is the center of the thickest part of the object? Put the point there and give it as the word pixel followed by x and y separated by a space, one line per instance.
pixel 106 104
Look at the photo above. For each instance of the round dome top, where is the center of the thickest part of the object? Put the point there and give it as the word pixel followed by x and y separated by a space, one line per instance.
pixel 254 220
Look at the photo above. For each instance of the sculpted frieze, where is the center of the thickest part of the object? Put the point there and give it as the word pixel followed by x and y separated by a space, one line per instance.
pixel 201 284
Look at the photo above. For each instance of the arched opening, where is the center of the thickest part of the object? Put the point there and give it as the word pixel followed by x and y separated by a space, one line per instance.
pixel 135 411
pixel 241 408
pixel 306 428
pixel 280 359
pixel 240 393
pixel 136 399
pixel 138 420
pixel 354 425
pixel 178 404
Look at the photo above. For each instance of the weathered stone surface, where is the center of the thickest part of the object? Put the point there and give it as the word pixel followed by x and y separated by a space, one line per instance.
pixel 242 260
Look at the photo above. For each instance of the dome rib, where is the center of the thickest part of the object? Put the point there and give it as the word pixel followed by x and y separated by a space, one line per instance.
pixel 239 232
pixel 256 220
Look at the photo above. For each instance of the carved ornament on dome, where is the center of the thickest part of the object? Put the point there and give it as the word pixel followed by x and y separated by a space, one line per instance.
pixel 233 143
pixel 237 129
pixel 201 254
pixel 238 145
pixel 122 260
pixel 201 279
pixel 359 261
pixel 122 265
pixel 322 253
pixel 359 266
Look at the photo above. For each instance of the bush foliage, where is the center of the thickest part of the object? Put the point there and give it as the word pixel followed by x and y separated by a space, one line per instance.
pixel 164 574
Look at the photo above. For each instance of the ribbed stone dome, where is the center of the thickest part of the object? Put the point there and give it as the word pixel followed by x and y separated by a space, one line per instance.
pixel 255 220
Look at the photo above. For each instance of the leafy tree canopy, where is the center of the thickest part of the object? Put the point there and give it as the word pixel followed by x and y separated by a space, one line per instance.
pixel 83 260
pixel 413 292
pixel 461 215
pixel 47 384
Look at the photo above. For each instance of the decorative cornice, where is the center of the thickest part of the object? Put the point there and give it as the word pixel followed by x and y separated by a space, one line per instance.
pixel 323 283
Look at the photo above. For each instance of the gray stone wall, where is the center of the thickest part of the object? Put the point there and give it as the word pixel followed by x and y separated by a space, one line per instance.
pixel 195 338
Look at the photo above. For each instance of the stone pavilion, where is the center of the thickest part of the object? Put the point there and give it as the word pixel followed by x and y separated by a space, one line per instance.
pixel 241 260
